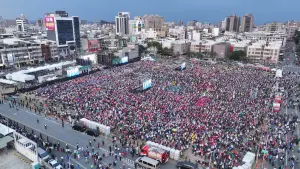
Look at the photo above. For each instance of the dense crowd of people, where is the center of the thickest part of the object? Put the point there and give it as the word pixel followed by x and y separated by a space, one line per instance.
pixel 220 110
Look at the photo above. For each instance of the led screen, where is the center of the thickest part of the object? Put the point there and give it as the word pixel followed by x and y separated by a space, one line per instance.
pixel 182 66
pixel 147 84
pixel 72 72
pixel 124 59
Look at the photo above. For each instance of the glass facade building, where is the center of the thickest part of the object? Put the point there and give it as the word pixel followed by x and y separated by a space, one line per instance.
pixel 64 31
pixel 76 22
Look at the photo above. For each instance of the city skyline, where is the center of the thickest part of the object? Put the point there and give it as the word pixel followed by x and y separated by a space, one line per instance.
pixel 211 11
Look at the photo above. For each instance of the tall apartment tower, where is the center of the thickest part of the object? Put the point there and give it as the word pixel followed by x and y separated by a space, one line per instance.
pixel 76 23
pixel 122 23
pixel 247 23
pixel 22 23
pixel 154 22
pixel 233 23
pixel 65 31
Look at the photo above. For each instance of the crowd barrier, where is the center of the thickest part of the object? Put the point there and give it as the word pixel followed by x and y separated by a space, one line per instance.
pixel 94 125
pixel 174 154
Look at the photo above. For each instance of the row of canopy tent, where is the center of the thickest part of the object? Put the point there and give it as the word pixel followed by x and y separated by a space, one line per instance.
pixel 22 76
pixel 5 81
pixel 5 135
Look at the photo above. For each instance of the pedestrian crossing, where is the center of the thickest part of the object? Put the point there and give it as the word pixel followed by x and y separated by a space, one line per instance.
pixel 125 160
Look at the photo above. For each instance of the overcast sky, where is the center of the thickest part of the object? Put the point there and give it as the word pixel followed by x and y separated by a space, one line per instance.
pixel 212 11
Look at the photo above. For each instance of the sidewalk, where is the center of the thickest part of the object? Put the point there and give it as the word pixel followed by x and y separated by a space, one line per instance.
pixel 11 161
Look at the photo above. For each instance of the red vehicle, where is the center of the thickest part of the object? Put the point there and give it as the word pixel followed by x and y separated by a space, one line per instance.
pixel 155 153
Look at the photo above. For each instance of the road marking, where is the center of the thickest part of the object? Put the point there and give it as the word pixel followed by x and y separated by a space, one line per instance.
pixel 39 131
pixel 7 116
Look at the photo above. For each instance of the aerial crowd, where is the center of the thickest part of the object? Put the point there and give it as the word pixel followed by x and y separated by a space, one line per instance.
pixel 219 109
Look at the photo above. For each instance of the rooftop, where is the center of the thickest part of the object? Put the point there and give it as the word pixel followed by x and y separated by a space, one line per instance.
pixel 271 45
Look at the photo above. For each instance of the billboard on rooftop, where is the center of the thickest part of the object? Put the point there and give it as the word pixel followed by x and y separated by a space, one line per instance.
pixel 49 23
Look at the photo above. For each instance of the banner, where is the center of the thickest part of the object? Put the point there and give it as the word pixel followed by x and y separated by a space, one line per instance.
pixel 49 23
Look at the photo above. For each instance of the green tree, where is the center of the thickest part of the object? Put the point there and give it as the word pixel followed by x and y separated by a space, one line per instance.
pixel 142 49
pixel 297 36
pixel 167 52
pixel 155 44
pixel 237 55
pixel 197 55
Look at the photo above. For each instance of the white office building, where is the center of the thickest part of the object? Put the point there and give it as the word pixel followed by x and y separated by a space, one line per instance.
pixel 136 26
pixel 22 25
pixel 267 36
pixel 263 50
pixel 122 23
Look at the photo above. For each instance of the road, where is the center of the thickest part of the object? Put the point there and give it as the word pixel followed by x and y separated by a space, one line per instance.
pixel 67 135
pixel 290 57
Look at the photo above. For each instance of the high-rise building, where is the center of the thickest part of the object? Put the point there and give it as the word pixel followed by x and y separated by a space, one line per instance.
pixel 291 27
pixel 122 23
pixel 233 23
pixel 83 22
pixel 154 22
pixel 192 23
pixel 274 27
pixel 62 13
pixel 76 23
pixel 223 24
pixel 2 22
pixel 64 31
pixel 22 25
pixel 40 22
pixel 247 23
pixel 180 23
pixel 136 26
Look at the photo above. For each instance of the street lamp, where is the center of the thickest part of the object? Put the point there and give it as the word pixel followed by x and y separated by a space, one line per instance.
pixel 75 151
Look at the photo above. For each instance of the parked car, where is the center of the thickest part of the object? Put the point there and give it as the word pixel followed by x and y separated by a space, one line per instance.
pixel 79 127
pixel 42 153
pixel 187 165
pixel 92 132
pixel 54 164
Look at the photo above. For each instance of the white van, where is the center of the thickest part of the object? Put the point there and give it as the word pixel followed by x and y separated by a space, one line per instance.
pixel 24 142
pixel 42 153
pixel 54 164
pixel 146 162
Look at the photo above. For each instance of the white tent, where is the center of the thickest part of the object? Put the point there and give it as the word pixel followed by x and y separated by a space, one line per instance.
pixel 5 81
pixel 249 158
pixel 22 77
pixel 4 130
pixel 278 73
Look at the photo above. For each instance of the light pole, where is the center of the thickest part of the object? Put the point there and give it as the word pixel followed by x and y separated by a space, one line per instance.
pixel 69 164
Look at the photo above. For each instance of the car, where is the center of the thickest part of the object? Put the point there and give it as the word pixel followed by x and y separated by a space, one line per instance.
pixel 92 132
pixel 79 127
pixel 42 154
pixel 54 164
pixel 187 165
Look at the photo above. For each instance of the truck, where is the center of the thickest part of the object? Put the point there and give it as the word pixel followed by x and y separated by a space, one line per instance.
pixel 155 153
